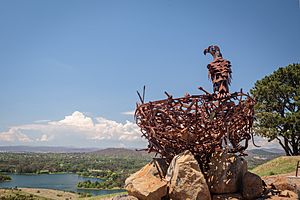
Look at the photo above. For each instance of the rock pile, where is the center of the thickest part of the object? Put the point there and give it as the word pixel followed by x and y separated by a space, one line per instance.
pixel 282 187
pixel 226 178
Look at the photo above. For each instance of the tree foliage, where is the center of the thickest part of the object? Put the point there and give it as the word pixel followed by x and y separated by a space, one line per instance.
pixel 277 107
pixel 112 169
pixel 4 177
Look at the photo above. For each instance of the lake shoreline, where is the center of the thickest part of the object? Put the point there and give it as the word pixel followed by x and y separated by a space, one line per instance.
pixel 42 173
pixel 4 178
pixel 62 182
pixel 54 173
pixel 5 181
pixel 58 173
pixel 116 188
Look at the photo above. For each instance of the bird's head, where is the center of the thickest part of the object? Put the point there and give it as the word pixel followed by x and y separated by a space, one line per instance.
pixel 213 50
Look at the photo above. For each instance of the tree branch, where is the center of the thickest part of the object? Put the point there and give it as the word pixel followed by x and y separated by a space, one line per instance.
pixel 282 145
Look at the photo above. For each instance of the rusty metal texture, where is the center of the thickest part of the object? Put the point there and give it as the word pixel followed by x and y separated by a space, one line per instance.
pixel 219 71
pixel 202 124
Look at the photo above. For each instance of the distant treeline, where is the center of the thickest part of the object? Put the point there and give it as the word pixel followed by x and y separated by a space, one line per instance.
pixel 111 165
pixel 113 169
pixel 4 178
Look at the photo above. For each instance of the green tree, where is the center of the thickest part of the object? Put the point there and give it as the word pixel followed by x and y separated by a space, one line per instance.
pixel 277 108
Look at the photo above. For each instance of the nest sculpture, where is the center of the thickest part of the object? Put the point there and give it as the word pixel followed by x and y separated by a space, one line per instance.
pixel 202 124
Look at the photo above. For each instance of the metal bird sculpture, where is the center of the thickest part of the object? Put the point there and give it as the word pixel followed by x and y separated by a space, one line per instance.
pixel 203 124
pixel 219 71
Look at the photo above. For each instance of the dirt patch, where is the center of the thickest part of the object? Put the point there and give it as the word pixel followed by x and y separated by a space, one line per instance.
pixel 284 186
pixel 18 194
pixel 51 194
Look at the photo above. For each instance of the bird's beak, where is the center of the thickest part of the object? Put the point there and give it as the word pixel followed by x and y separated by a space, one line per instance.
pixel 205 51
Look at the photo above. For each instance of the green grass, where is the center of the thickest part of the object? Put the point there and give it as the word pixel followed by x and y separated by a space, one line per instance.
pixel 103 196
pixel 280 165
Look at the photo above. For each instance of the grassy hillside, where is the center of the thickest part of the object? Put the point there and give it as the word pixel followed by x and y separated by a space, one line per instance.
pixel 12 194
pixel 280 165
pixel 258 157
pixel 122 152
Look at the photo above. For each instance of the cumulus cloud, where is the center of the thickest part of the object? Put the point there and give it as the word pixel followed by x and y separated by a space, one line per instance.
pixel 13 134
pixel 45 138
pixel 77 119
pixel 108 129
pixel 76 128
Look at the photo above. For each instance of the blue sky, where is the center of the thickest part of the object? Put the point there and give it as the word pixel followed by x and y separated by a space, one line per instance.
pixel 59 57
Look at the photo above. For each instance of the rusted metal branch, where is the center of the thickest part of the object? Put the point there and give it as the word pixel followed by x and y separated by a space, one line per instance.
pixel 199 123
pixel 203 124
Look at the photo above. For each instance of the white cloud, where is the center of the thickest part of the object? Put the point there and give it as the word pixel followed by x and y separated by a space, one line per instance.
pixel 41 121
pixel 108 129
pixel 81 130
pixel 45 138
pixel 77 119
pixel 128 112
pixel 75 129
pixel 14 134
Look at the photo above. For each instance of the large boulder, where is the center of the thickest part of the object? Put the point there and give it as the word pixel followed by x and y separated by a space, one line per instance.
pixel 225 173
pixel 252 186
pixel 148 183
pixel 186 180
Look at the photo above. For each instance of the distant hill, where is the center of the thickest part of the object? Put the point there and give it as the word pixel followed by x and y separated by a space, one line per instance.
pixel 259 156
pixel 122 152
pixel 45 149
pixel 274 150
pixel 280 165
pixel 265 152
pixel 255 156
pixel 109 152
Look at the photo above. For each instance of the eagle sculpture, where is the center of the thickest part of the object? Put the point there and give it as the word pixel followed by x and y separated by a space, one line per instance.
pixel 219 71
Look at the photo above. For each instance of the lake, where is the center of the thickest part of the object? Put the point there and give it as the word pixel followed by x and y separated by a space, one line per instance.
pixel 66 182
